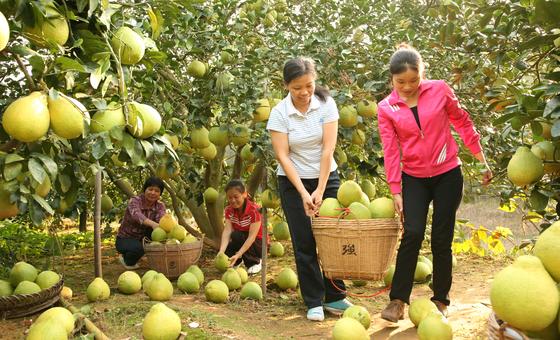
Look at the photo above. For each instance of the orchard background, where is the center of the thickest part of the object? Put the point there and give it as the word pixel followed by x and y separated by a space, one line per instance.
pixel 501 57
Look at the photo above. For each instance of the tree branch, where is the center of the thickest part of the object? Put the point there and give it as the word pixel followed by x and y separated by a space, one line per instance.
pixel 30 82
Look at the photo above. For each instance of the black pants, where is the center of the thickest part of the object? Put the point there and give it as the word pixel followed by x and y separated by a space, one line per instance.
pixel 252 256
pixel 445 191
pixel 131 249
pixel 313 285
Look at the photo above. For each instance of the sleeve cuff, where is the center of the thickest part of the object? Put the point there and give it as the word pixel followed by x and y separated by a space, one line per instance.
pixel 475 148
pixel 395 188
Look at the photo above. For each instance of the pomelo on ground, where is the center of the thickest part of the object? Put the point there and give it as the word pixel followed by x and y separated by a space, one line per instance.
pixel 276 249
pixel 221 262
pixel 147 277
pixel 347 328
pixel 216 291
pixel 47 329
pixel 287 279
pixel 422 272
pixel 330 208
pixel 232 279
pixel 547 249
pixel 382 207
pixel 251 290
pixel 159 288
pixel 349 192
pixel 98 290
pixel 22 271
pixel 359 313
pixel 47 279
pixel 197 272
pixel 419 309
pixel 66 293
pixel 129 282
pixel 67 116
pixel 27 119
pixel 435 326
pixel 242 274
pixel 161 323
pixel 128 45
pixel 188 283
pixel 427 261
pixel 281 231
pixel 524 295
pixel 59 315
pixel 388 277
pixel 27 287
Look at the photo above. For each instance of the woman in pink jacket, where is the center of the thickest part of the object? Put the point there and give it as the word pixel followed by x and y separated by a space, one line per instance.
pixel 422 166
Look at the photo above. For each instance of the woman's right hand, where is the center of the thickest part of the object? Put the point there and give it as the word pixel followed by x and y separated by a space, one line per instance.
pixel 308 205
pixel 397 200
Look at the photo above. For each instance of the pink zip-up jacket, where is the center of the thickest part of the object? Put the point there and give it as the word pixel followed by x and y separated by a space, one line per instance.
pixel 431 150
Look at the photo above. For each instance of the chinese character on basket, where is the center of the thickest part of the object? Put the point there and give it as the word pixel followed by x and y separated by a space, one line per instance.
pixel 349 249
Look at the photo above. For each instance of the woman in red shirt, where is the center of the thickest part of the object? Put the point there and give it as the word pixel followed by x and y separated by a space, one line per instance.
pixel 242 235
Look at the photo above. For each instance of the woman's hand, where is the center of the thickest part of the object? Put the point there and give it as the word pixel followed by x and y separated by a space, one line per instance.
pixel 486 172
pixel 397 200
pixel 308 205
pixel 317 198
pixel 234 259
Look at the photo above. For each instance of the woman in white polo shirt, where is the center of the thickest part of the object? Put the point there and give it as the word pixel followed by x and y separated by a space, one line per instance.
pixel 303 128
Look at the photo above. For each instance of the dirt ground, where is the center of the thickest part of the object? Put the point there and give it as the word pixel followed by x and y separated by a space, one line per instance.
pixel 281 315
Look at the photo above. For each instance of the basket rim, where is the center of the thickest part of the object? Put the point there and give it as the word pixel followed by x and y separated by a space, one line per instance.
pixel 9 304
pixel 171 247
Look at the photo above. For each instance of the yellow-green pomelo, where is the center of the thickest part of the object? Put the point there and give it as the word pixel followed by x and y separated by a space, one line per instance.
pixel 382 207
pixel 60 315
pixel 221 262
pixel 348 117
pixel 107 119
pixel 524 295
pixel 172 139
pixel 53 30
pixel 547 249
pixel 5 288
pixel 167 222
pixel 330 208
pixel 22 271
pixel 147 278
pixel 218 135
pixel 208 153
pixel 7 208
pixel 196 69
pixel 367 108
pixel 551 332
pixel 27 287
pixel 347 328
pixel 359 313
pixel 524 167
pixel 388 277
pixel 419 309
pixel 199 138
pixel 197 272
pixel 262 112
pixel 47 279
pixel 421 272
pixel 349 192
pixel 4 32
pixel 232 279
pixel 368 188
pixel 47 329
pixel 358 137
pixel 287 279
pixel 216 291
pixel 159 288
pixel 147 120
pixel 27 119
pixel 128 45
pixel 242 274
pixel 251 290
pixel 270 199
pixel 161 323
pixel 188 283
pixel 159 235
pixel 276 249
pixel 427 261
pixel 435 326
pixel 358 211
pixel 106 203
pixel 129 282
pixel 98 290
pixel 281 231
pixel 67 116
pixel 210 195
pixel 365 200
pixel 44 188
pixel 240 135
pixel 546 151
pixel 178 232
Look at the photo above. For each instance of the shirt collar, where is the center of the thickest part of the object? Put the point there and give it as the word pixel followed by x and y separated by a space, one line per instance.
pixel 394 96
pixel 314 105
pixel 145 204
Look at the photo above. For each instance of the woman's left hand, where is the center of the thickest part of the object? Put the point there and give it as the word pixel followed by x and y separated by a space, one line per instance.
pixel 486 176
pixel 234 259
pixel 317 198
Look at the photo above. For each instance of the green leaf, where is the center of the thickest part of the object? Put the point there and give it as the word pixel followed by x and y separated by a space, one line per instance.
pixel 65 182
pixel 69 64
pixel 92 7
pixel 148 148
pixel 36 214
pixel 552 106
pixel 98 149
pixel 48 162
pixel 128 144
pixel 138 157
pixel 12 170
pixel 81 5
pixel 44 204
pixel 555 131
pixel 12 157
pixel 37 64
pixel 36 170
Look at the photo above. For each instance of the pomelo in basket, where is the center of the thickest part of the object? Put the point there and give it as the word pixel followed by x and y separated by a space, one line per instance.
pixel 167 222
pixel 5 288
pixel 358 211
pixel 27 287
pixel 349 192
pixel 47 279
pixel 330 207
pixel 22 271
pixel 382 207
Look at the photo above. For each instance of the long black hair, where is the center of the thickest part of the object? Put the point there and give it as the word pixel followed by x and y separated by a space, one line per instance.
pixel 300 66
pixel 406 58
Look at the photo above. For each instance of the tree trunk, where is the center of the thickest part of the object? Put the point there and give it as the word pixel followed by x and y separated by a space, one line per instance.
pixel 83 219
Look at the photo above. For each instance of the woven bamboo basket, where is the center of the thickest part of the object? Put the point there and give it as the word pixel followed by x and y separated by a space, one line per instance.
pixel 355 249
pixel 172 260
pixel 500 330
pixel 15 306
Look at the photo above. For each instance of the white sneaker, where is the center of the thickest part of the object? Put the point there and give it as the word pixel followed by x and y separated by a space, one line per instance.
pixel 254 269
pixel 121 260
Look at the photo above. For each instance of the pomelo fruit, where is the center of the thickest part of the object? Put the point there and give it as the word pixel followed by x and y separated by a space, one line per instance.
pixel 368 188
pixel 251 290
pixel 129 282
pixel 98 290
pixel 427 261
pixel 218 135
pixel 200 138
pixel 4 32
pixel 196 69
pixel 435 326
pixel 281 231
pixel 53 30
pixel 276 249
pixel 358 137
pixel 47 329
pixel 159 288
pixel 359 313
pixel 221 262
pixel 358 211
pixel 232 279
pixel 422 272
pixel 349 192
pixel 287 279
pixel 67 116
pixel 7 208
pixel 388 277
pixel 144 120
pixel 382 207
pixel 128 45
pixel 178 232
pixel 240 135
pixel 524 167
pixel 27 119
pixel 242 274
pixel 5 288
pixel 197 272
pixel 348 117
pixel 347 328
pixel 161 323
pixel 22 271
pixel 108 119
pixel 211 195
pixel 419 309
pixel 106 203
pixel 216 291
pixel 167 222
pixel 27 287
pixel 159 235
pixel 188 283
pixel 43 189
pixel 209 152
pixel 262 112
pixel 66 293
pixel 547 249
pixel 330 208
pixel 367 108
pixel 270 199
pixel 59 315
pixel 47 279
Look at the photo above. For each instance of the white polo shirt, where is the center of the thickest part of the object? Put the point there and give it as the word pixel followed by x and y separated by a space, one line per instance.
pixel 305 133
